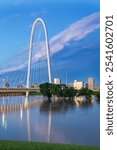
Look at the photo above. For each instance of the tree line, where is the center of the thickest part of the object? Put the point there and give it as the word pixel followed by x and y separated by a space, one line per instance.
pixel 62 90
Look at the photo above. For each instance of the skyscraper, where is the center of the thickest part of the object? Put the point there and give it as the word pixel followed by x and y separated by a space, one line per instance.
pixel 91 83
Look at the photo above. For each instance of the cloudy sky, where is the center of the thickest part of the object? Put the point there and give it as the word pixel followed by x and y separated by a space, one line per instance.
pixel 73 28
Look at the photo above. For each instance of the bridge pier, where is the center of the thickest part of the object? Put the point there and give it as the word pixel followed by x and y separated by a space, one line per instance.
pixel 26 103
pixel 27 94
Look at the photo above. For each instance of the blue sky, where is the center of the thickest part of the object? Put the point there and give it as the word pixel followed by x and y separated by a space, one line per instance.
pixel 74 52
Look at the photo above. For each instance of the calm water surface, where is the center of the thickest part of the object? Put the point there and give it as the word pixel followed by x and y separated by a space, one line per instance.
pixel 54 122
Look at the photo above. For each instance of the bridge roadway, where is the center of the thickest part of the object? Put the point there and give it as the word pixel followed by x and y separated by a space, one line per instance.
pixel 18 90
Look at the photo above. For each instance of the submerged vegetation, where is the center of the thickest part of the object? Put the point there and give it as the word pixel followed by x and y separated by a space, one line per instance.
pixel 88 93
pixel 62 90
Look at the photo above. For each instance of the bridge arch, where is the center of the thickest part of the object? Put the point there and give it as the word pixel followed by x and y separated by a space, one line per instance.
pixel 30 50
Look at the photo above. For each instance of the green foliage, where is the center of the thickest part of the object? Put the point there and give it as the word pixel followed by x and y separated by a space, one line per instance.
pixel 70 92
pixel 45 90
pixel 6 85
pixel 34 93
pixel 48 90
pixel 55 89
pixel 97 94
pixel 20 86
pixel 85 91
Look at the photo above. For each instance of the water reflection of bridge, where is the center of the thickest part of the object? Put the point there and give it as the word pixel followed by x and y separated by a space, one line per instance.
pixel 27 104
pixel 18 107
pixel 43 103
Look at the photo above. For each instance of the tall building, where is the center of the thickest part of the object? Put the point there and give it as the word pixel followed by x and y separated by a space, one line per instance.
pixel 91 83
pixel 57 81
pixel 85 85
pixel 97 87
pixel 77 85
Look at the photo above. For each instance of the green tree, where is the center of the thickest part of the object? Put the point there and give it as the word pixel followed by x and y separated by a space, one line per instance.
pixel 20 86
pixel 48 90
pixel 6 85
pixel 45 90
pixel 55 89
pixel 71 92
pixel 85 92
pixel 97 94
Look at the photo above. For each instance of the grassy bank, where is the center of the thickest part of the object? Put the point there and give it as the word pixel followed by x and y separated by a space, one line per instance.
pixel 34 93
pixel 13 145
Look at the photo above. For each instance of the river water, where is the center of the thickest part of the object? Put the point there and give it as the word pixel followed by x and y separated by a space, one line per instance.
pixel 58 121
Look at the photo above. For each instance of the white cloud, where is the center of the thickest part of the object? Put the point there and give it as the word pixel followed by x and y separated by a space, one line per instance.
pixel 20 67
pixel 76 32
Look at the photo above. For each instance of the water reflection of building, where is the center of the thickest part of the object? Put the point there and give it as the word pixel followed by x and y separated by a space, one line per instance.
pixel 84 101
pixel 80 98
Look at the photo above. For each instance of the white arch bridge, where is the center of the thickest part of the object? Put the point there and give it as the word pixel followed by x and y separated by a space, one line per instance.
pixel 27 88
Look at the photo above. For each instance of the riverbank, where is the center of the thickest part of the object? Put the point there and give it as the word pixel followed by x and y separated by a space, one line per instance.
pixel 14 145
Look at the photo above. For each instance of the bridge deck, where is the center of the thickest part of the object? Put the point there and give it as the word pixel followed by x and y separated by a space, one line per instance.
pixel 16 90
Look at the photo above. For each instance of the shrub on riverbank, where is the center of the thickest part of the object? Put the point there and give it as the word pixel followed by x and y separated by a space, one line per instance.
pixel 13 145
